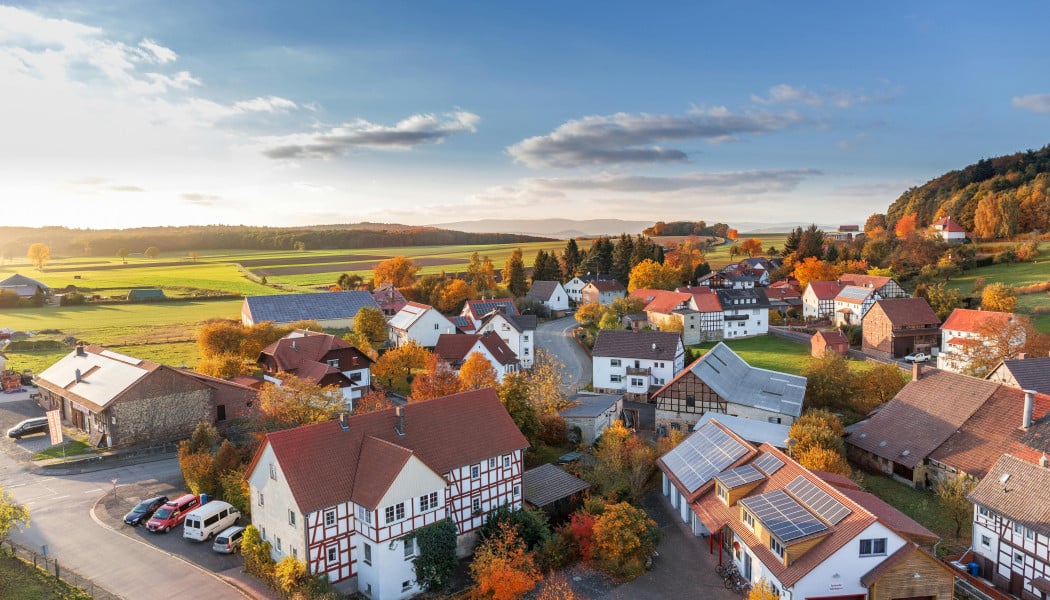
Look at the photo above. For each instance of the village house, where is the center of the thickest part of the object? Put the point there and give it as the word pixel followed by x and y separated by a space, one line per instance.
pixel 419 323
pixel 456 348
pixel 574 287
pixel 592 414
pixel 885 287
pixel 745 312
pixel 24 287
pixel 554 491
pixel 1011 527
pixel 517 331
pixel 602 292
pixel 852 303
pixel 784 296
pixel 551 294
pixel 344 496
pixel 823 342
pixel 389 299
pixel 320 358
pixel 475 311
pixel 897 327
pixel 1027 373
pixel 964 329
pixel 722 382
pixel 950 230
pixel 777 521
pixel 845 233
pixel 818 299
pixel 635 362
pixel 671 311
pixel 122 401
pixel 331 310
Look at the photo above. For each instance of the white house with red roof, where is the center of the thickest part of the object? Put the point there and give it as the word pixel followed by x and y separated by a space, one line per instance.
pixel 885 286
pixel 949 229
pixel 965 328
pixel 818 299
pixel 343 496
pixel 455 348
pixel 517 331
pixel 475 311
pixel 775 520
pixel 319 357
pixel 420 323
pixel 851 303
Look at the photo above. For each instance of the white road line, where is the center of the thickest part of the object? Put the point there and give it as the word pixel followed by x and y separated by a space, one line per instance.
pixel 93 491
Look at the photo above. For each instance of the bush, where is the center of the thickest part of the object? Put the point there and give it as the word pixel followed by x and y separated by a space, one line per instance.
pixel 531 524
pixel 558 551
pixel 73 299
pixel 624 540
pixel 553 430
pixel 289 574
pixel 437 554
pixel 256 554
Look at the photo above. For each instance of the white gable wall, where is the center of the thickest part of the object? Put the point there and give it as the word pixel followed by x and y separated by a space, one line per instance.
pixel 521 342
pixel 271 516
pixel 848 565
pixel 424 330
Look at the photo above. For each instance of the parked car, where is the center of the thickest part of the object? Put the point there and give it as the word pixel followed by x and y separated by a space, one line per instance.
pixel 172 513
pixel 229 540
pixel 144 510
pixel 918 357
pixel 209 519
pixel 28 427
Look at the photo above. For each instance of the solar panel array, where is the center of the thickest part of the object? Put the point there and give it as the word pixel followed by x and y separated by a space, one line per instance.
pixel 703 455
pixel 739 476
pixel 819 501
pixel 783 516
pixel 768 463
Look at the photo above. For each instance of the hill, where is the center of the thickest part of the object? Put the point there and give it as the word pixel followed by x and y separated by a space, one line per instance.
pixel 558 228
pixel 994 197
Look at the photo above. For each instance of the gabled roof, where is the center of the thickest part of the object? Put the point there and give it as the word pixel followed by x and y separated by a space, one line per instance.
pixel 477 309
pixel 737 382
pixel 826 290
pixel 590 406
pixel 542 290
pixel 693 464
pixel 456 347
pixel 521 323
pixel 977 321
pixel 322 462
pixel 547 483
pixel 463 324
pixel 832 338
pixel 661 301
pixel 854 294
pixel 869 281
pixel 408 315
pixel 748 298
pixel 322 306
pixel 386 295
pixel 17 280
pixel 899 558
pixel 1030 373
pixel 1018 490
pixel 606 285
pixel 949 224
pixel 907 312
pixel 146 294
pixel 301 347
pixel 95 377
pixel 754 431
pixel 651 345
pixel 922 416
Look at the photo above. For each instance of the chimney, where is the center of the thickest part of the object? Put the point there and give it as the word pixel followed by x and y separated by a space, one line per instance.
pixel 1044 462
pixel 294 347
pixel 80 350
pixel 77 375
pixel 1021 356
pixel 1029 401
pixel 344 421
pixel 400 426
pixel 916 371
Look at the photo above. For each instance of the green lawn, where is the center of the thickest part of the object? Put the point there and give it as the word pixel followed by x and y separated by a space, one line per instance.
pixel 67 448
pixel 22 581
pixel 1014 274
pixel 773 353
pixel 922 505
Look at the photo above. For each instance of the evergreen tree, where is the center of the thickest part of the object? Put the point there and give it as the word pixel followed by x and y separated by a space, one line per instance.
pixel 811 243
pixel 621 257
pixel 514 274
pixel 792 241
pixel 570 260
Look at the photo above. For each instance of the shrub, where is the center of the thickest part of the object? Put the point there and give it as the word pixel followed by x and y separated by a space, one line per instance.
pixel 580 532
pixel 437 554
pixel 256 554
pixel 624 540
pixel 558 551
pixel 553 430
pixel 73 299
pixel 532 525
pixel 289 574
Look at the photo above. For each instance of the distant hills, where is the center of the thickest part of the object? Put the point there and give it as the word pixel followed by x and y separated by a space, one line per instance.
pixel 556 228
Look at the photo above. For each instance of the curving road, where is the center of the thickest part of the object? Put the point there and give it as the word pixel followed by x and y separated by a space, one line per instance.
pixel 555 337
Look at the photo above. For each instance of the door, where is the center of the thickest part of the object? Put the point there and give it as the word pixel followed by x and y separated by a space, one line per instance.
pixel 747 566
pixel 221 412
pixel 1016 583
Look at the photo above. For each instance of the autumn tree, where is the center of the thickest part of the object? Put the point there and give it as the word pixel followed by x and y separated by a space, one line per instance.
pixel 194 256
pixel 590 314
pixel 623 463
pixel 371 323
pixel 546 383
pixel 906 225
pixel 349 281
pixel 151 252
pixel 953 493
pixel 814 269
pixel 821 458
pixel 875 387
pixel 481 274
pixel 394 369
pixel 222 366
pixel 514 274
pixel 12 515
pixel 299 401
pixel 477 372
pixel 609 321
pixel 998 297
pixel 762 590
pixel 438 380
pixel 751 246
pixel 996 340
pixel 256 554
pixel 39 254
pixel 817 429
pixel 514 394
pixel 875 221
pixel 398 271
pixel 289 574
pixel 732 234
pixel 502 568
pixel 371 401
pixel 624 539
pixel 941 298
pixel 650 274
pixel 453 295
pixel 829 382
pixel 123 253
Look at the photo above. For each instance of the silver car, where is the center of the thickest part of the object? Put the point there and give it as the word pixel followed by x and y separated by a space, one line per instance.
pixel 229 540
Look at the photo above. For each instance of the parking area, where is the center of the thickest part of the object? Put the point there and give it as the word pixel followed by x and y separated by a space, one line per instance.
pixel 15 408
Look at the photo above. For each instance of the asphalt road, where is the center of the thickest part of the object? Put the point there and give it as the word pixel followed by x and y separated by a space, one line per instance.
pixel 61 518
pixel 555 337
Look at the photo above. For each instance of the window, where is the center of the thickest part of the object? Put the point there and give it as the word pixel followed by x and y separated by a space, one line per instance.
pixel 526 351
pixel 291 517
pixel 986 541
pixel 873 547
pixel 1018 558
pixel 506 461
pixel 295 553
pixel 273 471
pixel 475 504
pixel 475 472
pixel 492 462
pixel 722 493
pixel 775 546
pixel 406 585
pixel 614 362
pixel 637 382
pixel 364 515
pixel 1018 528
pixel 435 325
pixel 395 513
pixel 278 539
pixel 615 379
pixel 749 520
pixel 428 502
pixel 262 499
pixel 410 548
pixel 368 554
pixel 333 363
pixel 329 518
pixel 774 419
pixel 981 510
pixel 1029 533
pixel 690 401
pixel 526 338
pixel 517 491
pixel 333 554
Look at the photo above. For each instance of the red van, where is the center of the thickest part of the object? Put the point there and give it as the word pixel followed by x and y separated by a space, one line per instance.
pixel 173 513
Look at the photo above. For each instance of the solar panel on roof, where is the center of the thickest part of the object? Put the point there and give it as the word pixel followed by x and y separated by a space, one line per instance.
pixel 767 463
pixel 702 455
pixel 783 516
pixel 819 501
pixel 739 476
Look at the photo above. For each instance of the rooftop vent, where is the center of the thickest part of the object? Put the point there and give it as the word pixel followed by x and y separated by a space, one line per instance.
pixel 399 427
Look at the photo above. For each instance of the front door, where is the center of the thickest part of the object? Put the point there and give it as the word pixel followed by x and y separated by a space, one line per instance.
pixel 1016 583
pixel 747 566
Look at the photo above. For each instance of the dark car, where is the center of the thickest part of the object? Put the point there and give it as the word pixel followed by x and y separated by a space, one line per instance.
pixel 28 427
pixel 144 510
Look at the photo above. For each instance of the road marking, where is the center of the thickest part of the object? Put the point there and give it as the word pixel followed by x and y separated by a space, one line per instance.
pixel 93 491
pixel 59 497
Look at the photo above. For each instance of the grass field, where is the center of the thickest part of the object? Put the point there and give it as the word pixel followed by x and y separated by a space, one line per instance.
pixel 22 581
pixel 773 353
pixel 1014 274
pixel 921 505
pixel 718 256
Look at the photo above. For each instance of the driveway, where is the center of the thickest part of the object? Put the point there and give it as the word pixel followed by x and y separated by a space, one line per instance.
pixel 555 337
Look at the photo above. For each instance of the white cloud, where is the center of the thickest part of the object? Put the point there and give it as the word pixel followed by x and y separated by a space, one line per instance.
pixel 784 93
pixel 1037 103
pixel 157 53
pixel 268 104
pixel 750 182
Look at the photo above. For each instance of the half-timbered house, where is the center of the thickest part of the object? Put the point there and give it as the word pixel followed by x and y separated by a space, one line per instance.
pixel 343 496
pixel 896 327
pixel 322 358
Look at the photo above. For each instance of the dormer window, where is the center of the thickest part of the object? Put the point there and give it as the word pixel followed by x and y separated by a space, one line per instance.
pixel 722 492
pixel 749 520
pixel 334 363
pixel 776 547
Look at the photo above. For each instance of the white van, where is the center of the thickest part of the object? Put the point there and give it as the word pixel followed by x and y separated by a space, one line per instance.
pixel 207 520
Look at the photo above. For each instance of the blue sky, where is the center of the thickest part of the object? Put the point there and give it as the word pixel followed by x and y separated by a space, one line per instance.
pixel 277 113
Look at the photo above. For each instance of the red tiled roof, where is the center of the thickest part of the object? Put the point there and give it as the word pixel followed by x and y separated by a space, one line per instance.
pixel 839 481
pixel 707 303
pixel 664 301
pixel 833 338
pixel 290 351
pixel 976 321
pixel 455 347
pixel 607 285
pixel 379 464
pixel 826 290
pixel 949 224
pixel 907 312
pixel 869 281
pixel 322 462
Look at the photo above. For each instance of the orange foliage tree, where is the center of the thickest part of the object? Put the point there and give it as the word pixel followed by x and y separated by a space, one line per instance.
pixel 814 269
pixel 820 458
pixel 751 246
pixel 732 234
pixel 438 380
pixel 394 367
pixel 624 538
pixel 906 225
pixel 477 372
pixel 371 402
pixel 400 271
pixel 453 295
pixel 502 568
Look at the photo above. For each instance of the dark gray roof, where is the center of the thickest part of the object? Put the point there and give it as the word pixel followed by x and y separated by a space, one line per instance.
pixel 288 308
pixel 1030 373
pixel 523 322
pixel 749 298
pixel 146 294
pixel 542 290
pixel 17 280
pixel 548 483
pixel 652 345
pixel 589 406
pixel 738 382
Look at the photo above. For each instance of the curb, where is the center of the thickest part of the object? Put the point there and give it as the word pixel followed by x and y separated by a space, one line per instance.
pixel 192 564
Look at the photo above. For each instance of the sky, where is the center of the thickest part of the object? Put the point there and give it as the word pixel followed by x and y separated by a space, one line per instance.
pixel 127 114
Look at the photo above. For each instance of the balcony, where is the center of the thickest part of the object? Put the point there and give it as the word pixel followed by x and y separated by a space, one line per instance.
pixel 637 371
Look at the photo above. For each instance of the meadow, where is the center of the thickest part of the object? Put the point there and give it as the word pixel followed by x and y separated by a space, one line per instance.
pixel 770 352
pixel 1015 275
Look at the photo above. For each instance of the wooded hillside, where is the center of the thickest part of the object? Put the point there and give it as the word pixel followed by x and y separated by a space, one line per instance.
pixel 996 197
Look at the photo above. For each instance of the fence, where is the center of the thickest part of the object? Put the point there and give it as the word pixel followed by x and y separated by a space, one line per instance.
pixel 51 566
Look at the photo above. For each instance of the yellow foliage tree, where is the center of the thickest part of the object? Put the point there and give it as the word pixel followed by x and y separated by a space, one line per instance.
pixel 399 270
pixel 814 269
pixel 394 367
pixel 650 274
pixel 624 538
pixel 906 225
pixel 299 402
pixel 289 574
pixel 39 254
pixel 556 587
pixel 998 297
pixel 762 590
pixel 453 295
pixel 590 314
pixel 751 246
pixel 223 366
pixel 370 323
pixel 820 458
pixel 502 568
pixel 477 372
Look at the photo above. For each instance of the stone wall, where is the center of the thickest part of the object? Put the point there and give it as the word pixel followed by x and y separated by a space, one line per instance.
pixel 165 405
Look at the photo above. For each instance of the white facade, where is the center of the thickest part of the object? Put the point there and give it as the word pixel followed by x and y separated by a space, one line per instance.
pixel 574 289
pixel 558 300
pixel 856 309
pixel 500 368
pixel 419 324
pixel 605 298
pixel 272 504
pixel 1018 549
pixel 741 321
pixel 634 375
pixel 814 307
pixel 522 342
